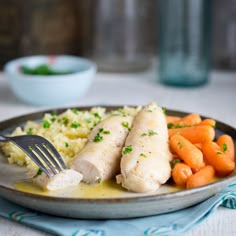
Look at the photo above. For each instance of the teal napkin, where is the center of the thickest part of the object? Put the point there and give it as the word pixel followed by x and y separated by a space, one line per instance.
pixel 175 223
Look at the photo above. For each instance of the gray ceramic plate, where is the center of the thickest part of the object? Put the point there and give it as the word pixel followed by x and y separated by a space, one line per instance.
pixel 117 203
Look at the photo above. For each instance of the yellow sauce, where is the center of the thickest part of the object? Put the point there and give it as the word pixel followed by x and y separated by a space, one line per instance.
pixel 106 189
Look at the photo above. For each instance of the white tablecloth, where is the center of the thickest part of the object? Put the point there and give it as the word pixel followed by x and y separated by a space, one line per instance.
pixel 216 99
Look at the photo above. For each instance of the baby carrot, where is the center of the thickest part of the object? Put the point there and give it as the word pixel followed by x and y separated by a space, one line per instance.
pixel 180 173
pixel 217 158
pixel 198 145
pixel 195 134
pixel 186 151
pixel 202 177
pixel 227 145
pixel 188 120
pixel 172 119
pixel 209 122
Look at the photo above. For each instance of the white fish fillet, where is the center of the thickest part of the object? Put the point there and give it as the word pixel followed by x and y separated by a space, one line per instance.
pixel 100 161
pixel 146 166
pixel 61 180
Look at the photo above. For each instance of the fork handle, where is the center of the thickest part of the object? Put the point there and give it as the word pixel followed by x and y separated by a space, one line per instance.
pixel 3 139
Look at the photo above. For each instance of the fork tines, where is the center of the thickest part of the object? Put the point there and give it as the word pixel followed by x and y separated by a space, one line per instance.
pixel 47 158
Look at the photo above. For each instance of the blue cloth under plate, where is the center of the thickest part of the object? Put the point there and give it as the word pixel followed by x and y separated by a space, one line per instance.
pixel 175 223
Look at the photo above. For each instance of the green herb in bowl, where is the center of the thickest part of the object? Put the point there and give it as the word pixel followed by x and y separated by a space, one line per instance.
pixel 42 69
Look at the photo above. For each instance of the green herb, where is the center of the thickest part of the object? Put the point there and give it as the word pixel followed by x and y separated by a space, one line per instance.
pixel 127 149
pixel 164 110
pixel 100 130
pixel 106 132
pixel 66 144
pixel 88 120
pixel 30 131
pixel 143 134
pixel 180 145
pixel 42 69
pixel 39 172
pixel 224 147
pixel 97 115
pixel 65 121
pixel 75 110
pixel 99 180
pixel 220 153
pixel 143 155
pixel 75 125
pixel 174 162
pixel 151 132
pixel 46 124
pixel 126 125
pixel 98 138
pixel 53 119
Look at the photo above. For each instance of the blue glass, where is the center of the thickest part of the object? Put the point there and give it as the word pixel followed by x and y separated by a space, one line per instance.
pixel 184 42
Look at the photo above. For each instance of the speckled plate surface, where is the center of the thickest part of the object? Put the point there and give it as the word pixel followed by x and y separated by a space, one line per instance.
pixel 109 202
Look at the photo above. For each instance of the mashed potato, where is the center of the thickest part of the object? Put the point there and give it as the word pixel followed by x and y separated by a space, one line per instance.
pixel 67 131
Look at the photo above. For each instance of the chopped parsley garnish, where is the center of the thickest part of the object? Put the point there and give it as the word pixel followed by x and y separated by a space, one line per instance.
pixel 151 132
pixel 99 180
pixel 143 155
pixel 97 115
pixel 180 145
pixel 75 125
pixel 66 144
pixel 98 138
pixel 164 110
pixel 53 119
pixel 220 153
pixel 46 124
pixel 39 172
pixel 106 132
pixel 174 162
pixel 30 131
pixel 126 125
pixel 128 149
pixel 88 120
pixel 74 110
pixel 173 126
pixel 224 147
pixel 65 121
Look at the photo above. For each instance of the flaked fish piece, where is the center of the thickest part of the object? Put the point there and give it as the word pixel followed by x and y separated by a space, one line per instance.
pixel 146 155
pixel 100 159
pixel 59 181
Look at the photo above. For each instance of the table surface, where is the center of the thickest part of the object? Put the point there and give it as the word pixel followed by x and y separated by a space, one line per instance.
pixel 215 100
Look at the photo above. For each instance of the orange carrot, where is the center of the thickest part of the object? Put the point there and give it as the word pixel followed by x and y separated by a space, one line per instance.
pixel 198 145
pixel 195 134
pixel 172 119
pixel 209 122
pixel 227 145
pixel 194 170
pixel 217 158
pixel 188 120
pixel 180 173
pixel 186 151
pixel 202 177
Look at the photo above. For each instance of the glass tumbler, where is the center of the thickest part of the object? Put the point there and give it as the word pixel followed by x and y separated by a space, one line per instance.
pixel 184 42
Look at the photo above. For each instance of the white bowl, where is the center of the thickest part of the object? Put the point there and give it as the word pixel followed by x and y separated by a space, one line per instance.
pixel 51 90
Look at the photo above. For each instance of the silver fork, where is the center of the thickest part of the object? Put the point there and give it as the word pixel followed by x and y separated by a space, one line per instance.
pixel 40 150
